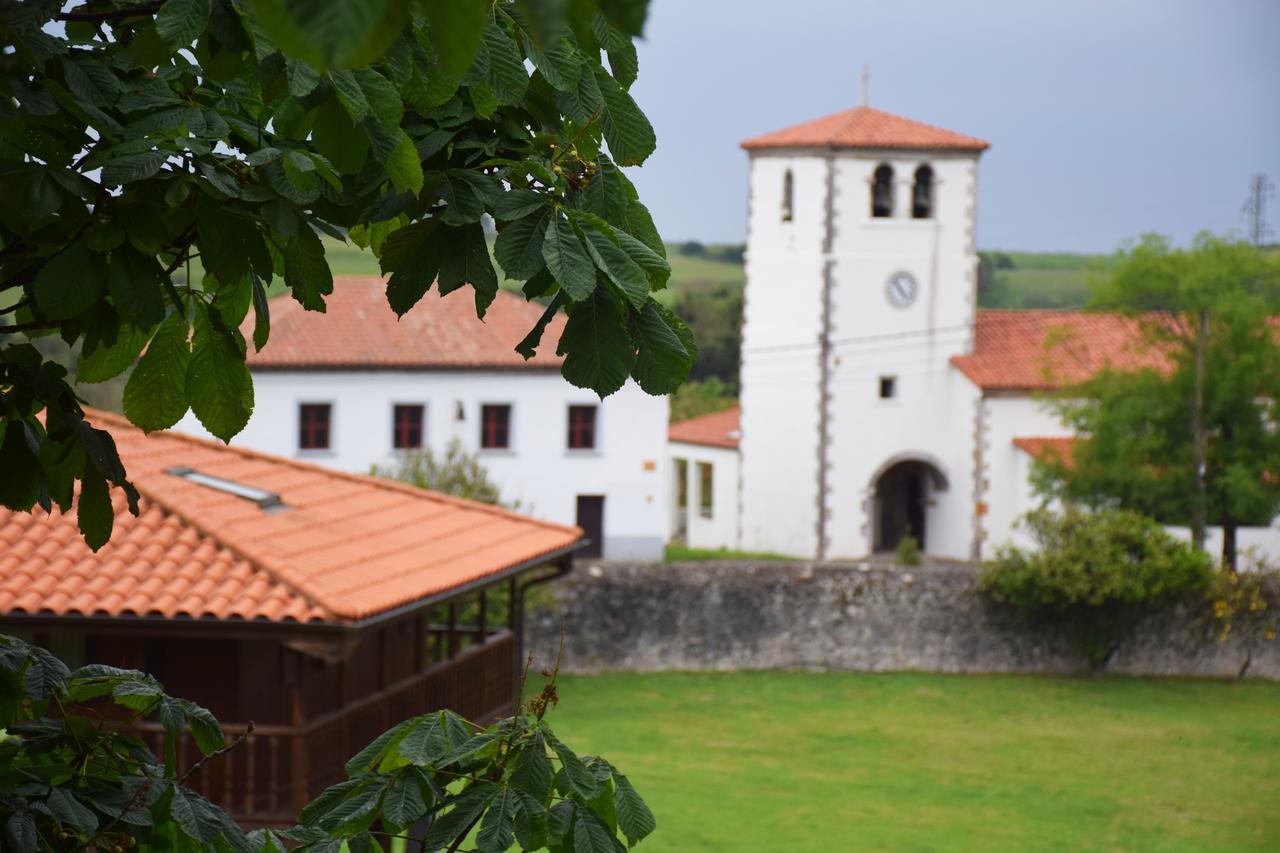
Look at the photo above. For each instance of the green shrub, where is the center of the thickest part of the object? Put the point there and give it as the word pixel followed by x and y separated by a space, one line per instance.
pixel 1097 572
pixel 908 553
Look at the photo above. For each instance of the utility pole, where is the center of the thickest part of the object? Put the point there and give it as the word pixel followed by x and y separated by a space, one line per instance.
pixel 1255 208
pixel 1199 511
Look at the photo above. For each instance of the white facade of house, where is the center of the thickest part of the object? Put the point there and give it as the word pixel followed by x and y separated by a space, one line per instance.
pixel 538 471
pixel 704 495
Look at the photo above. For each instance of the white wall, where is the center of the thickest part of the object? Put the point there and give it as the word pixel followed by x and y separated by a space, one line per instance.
pixel 720 529
pixel 628 465
pixel 782 315
pixel 1006 485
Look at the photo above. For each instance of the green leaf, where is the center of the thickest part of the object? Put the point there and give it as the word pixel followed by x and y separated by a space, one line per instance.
pixel 403 804
pixel 429 741
pixel 618 266
pixel 91 81
pixel 349 94
pixel 597 351
pixel 341 33
pixel 531 822
pixel 385 104
pixel 465 195
pixel 132 167
pixel 261 315
pixel 519 245
pixel 155 396
pixel 218 382
pixel 403 166
pixel 303 79
pixel 20 487
pixel 133 280
pixel 230 245
pixel 138 693
pixel 630 136
pixel 559 63
pixel 70 812
pixel 590 835
pixel 533 772
pixel 517 203
pixel 193 814
pixel 179 22
pixel 20 832
pixel 508 78
pixel 456 30
pixel 108 361
pixel 634 817
pixel 204 727
pixel 568 260
pixel 412 255
pixel 666 350
pixel 469 263
pixel 306 271
pixel 385 744
pixel 46 674
pixel 70 283
pixel 448 827
pixel 651 262
pixel 497 830
pixel 581 780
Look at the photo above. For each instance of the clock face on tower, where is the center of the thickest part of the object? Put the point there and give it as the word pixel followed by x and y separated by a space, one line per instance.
pixel 901 289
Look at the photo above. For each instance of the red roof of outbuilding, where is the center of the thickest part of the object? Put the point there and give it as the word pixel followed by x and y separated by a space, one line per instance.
pixel 718 429
pixel 1046 447
pixel 359 329
pixel 1042 350
pixel 345 548
pixel 866 127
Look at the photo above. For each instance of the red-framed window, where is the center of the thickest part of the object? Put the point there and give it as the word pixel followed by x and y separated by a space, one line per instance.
pixel 406 426
pixel 495 426
pixel 582 427
pixel 313 426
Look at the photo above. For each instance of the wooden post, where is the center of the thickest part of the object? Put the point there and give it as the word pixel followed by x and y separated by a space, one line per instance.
pixel 298 754
pixel 482 601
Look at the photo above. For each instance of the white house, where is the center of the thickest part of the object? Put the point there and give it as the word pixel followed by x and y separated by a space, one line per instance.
pixel 355 386
pixel 704 480
pixel 877 401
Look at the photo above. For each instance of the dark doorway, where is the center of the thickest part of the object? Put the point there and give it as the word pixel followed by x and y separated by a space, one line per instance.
pixel 902 502
pixel 591 520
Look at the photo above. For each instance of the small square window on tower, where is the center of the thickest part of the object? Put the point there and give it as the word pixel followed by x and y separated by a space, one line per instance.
pixel 888 387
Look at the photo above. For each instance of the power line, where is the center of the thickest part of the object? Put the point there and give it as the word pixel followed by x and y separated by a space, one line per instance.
pixel 888 336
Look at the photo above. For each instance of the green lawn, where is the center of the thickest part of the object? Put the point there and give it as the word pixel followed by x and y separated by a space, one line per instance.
pixel 837 761
pixel 679 553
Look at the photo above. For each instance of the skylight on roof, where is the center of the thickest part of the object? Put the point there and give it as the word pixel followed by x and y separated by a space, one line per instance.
pixel 266 501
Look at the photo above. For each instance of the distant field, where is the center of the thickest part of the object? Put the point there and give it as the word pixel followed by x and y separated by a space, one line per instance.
pixel 792 761
pixel 1042 280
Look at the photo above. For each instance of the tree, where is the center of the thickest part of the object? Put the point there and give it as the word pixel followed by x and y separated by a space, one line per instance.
pixel 1192 438
pixel 701 397
pixel 136 136
pixel 457 473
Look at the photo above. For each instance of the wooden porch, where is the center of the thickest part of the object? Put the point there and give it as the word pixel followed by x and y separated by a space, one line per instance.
pixel 267 779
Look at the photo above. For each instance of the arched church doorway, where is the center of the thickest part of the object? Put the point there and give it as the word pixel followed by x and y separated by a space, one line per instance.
pixel 903 496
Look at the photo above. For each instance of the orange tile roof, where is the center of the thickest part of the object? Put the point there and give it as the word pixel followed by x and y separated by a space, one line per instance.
pixel 1046 447
pixel 865 127
pixel 718 429
pixel 359 329
pixel 1042 350
pixel 345 548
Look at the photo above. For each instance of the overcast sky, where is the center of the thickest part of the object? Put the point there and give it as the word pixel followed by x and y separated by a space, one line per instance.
pixel 1107 118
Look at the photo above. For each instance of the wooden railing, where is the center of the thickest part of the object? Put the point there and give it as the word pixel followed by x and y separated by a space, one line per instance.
pixel 267 779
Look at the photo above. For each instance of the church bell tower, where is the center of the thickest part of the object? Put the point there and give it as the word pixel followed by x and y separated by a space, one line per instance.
pixel 861 285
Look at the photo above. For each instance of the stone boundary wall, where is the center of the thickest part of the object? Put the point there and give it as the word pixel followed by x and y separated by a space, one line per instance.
pixel 731 615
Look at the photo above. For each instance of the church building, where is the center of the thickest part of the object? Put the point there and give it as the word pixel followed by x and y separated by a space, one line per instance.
pixel 877 400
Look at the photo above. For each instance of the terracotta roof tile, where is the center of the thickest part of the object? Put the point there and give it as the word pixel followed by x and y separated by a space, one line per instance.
pixel 865 127
pixel 718 429
pixel 1043 350
pixel 1046 447
pixel 345 548
pixel 358 329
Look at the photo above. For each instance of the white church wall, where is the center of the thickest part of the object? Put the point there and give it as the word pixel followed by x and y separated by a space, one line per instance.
pixel 782 315
pixel 1006 486
pixel 537 470
pixel 716 527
